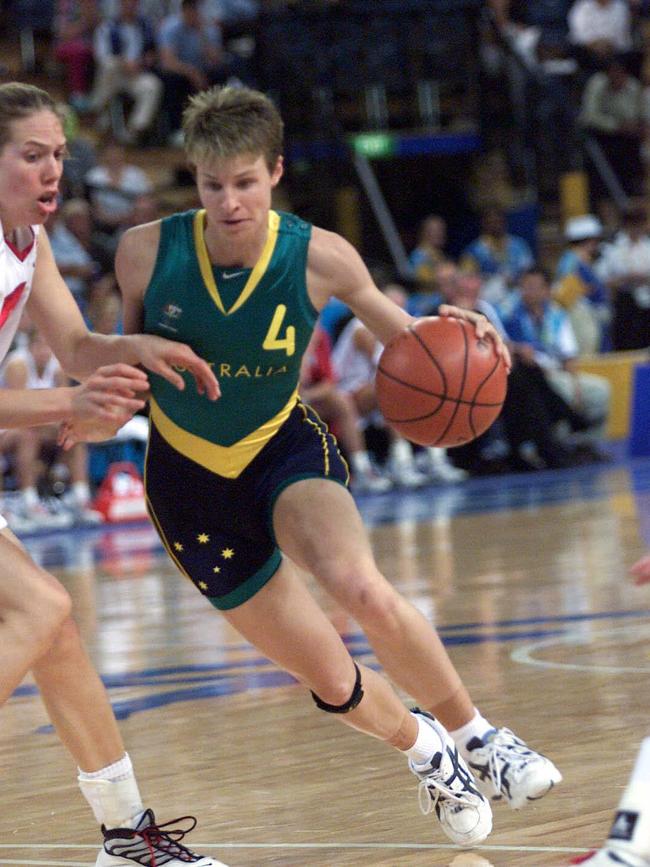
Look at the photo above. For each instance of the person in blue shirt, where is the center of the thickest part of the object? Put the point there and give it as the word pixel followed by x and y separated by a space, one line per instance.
pixel 499 257
pixel 542 333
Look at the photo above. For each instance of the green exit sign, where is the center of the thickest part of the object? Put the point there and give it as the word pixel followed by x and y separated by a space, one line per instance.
pixel 374 145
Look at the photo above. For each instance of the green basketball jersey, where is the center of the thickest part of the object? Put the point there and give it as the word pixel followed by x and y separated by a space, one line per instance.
pixel 251 325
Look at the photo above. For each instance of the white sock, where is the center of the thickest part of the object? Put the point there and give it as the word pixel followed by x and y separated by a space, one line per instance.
pixel 630 831
pixel 427 744
pixel 113 794
pixel 360 463
pixel 438 457
pixel 30 496
pixel 401 453
pixel 80 492
pixel 477 727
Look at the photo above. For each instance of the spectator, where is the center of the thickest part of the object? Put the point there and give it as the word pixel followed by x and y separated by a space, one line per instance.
pixel 191 58
pixel 114 185
pixel 426 303
pixel 429 252
pixel 541 330
pixel 103 311
pixel 499 257
pixel 599 30
pixel 125 53
pixel 82 156
pixel 75 25
pixel 554 106
pixel 613 112
pixel 579 289
pixel 523 438
pixel 72 246
pixel 34 366
pixel 355 356
pixel 625 268
pixel 319 389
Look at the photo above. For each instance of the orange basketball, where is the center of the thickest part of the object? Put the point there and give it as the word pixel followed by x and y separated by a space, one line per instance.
pixel 438 384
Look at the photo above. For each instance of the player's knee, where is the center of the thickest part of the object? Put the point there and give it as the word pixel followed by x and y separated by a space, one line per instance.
pixel 43 614
pixel 374 603
pixel 340 698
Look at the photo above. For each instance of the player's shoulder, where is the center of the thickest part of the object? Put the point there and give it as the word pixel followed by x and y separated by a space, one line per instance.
pixel 292 224
pixel 136 254
pixel 140 239
pixel 329 248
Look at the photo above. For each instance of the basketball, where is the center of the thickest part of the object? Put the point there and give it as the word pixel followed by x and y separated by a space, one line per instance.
pixel 438 384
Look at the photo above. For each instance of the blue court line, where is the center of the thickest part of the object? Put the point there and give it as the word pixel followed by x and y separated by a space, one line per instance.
pixel 220 685
pixel 558 618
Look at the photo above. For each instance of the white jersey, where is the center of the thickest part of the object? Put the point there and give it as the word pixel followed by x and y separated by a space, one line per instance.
pixel 16 275
pixel 47 378
pixel 353 367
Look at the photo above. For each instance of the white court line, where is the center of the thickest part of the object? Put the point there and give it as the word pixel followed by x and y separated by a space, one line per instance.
pixel 524 655
pixel 298 846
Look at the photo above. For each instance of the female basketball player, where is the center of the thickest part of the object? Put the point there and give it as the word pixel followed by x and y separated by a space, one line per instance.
pixel 628 844
pixel 243 284
pixel 36 630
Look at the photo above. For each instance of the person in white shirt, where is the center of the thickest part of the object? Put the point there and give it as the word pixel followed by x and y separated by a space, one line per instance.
pixel 599 29
pixel 625 268
pixel 37 632
pixel 124 51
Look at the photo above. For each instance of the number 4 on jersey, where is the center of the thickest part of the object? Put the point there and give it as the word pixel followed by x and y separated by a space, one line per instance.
pixel 273 340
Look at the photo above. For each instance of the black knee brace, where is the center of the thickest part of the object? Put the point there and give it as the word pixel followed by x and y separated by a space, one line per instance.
pixel 350 704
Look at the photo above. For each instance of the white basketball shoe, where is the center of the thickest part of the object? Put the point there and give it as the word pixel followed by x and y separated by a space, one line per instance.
pixel 151 845
pixel 506 767
pixel 448 788
pixel 609 858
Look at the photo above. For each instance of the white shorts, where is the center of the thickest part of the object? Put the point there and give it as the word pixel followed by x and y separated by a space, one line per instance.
pixel 3 522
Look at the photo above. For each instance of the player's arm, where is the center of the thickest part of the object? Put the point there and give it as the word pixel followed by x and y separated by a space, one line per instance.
pixel 336 268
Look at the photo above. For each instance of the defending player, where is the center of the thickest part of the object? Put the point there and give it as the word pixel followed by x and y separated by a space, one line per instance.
pixel 36 630
pixel 628 844
pixel 242 489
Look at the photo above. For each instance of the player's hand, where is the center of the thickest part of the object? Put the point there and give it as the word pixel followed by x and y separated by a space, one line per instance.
pixel 167 358
pixel 103 403
pixel 483 326
pixel 71 433
pixel 641 570
pixel 115 389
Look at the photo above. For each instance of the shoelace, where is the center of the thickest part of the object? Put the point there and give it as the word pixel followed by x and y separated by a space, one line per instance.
pixel 167 842
pixel 428 799
pixel 501 748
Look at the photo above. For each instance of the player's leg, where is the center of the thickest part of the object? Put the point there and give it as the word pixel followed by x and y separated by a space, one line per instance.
pixel 318 525
pixel 37 632
pixel 284 622
pixel 628 844
pixel 32 608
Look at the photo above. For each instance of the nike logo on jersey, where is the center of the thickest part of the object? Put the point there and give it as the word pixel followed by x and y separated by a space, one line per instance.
pixel 232 274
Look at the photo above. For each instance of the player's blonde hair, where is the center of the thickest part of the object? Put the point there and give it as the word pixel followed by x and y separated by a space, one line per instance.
pixel 224 122
pixel 17 101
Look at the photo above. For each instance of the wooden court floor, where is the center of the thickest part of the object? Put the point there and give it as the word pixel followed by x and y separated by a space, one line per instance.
pixel 526 578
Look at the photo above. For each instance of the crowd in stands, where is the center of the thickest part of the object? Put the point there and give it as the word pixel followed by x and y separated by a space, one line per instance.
pixel 127 68
pixel 597 299
pixel 581 68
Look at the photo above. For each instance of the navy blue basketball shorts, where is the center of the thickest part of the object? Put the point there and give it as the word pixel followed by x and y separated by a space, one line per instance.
pixel 219 531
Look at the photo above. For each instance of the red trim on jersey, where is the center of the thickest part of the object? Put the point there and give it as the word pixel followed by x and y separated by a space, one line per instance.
pixel 21 254
pixel 10 303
